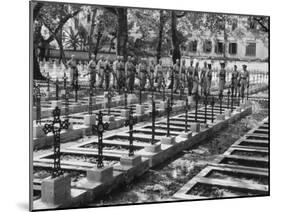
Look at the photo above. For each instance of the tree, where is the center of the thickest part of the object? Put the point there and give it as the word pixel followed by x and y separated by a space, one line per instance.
pixel 175 34
pixel 122 29
pixel 37 37
pixel 162 20
pixel 54 17
pixel 72 39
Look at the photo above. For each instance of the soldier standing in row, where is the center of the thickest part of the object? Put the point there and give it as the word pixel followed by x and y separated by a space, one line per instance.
pixel 183 73
pixel 143 72
pixel 120 73
pixel 101 70
pixel 159 74
pixel 234 80
pixel 92 71
pixel 130 73
pixel 151 74
pixel 190 71
pixel 195 78
pixel 209 78
pixel 176 75
pixel 107 72
pixel 73 70
pixel 204 79
pixel 222 75
pixel 114 72
pixel 244 80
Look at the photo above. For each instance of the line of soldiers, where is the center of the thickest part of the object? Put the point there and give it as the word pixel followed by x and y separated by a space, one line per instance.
pixel 150 75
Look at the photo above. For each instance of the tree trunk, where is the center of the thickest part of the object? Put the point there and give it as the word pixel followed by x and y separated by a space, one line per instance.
pixel 92 32
pixel 225 44
pixel 59 41
pixel 175 41
pixel 160 36
pixel 96 50
pixel 122 32
pixel 37 75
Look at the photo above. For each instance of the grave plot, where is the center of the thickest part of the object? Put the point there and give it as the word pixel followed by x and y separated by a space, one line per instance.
pixel 81 123
pixel 155 141
pixel 152 147
pixel 76 169
pixel 241 171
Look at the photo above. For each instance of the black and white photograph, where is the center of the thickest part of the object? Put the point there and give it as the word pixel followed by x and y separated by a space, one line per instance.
pixel 137 105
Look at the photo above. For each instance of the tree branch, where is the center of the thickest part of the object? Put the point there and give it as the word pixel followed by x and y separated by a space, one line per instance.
pixel 260 22
pixel 112 10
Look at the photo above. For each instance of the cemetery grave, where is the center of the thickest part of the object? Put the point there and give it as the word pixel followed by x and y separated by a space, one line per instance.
pixel 159 147
pixel 93 168
pixel 241 171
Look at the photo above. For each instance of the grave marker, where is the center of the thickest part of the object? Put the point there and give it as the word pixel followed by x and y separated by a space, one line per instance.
pixel 100 128
pixel 228 96
pixel 232 91
pixel 163 94
pixel 196 105
pixel 206 103
pixel 57 89
pixel 220 98
pixel 140 95
pixel 55 127
pixel 76 87
pixel 64 81
pixel 212 110
pixel 37 95
pixel 169 109
pixel 186 113
pixel 48 81
pixel 130 122
pixel 153 115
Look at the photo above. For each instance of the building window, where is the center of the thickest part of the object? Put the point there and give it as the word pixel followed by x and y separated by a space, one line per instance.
pixel 219 47
pixel 251 49
pixel 193 46
pixel 207 46
pixel 232 48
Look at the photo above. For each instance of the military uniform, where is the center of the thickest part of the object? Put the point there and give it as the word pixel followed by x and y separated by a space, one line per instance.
pixel 190 71
pixel 142 74
pixel 183 75
pixel 101 69
pixel 222 75
pixel 234 82
pixel 131 72
pixel 209 80
pixel 159 76
pixel 151 75
pixel 73 72
pixel 107 72
pixel 92 72
pixel 176 69
pixel 195 78
pixel 114 80
pixel 244 82
pixel 120 75
pixel 203 80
